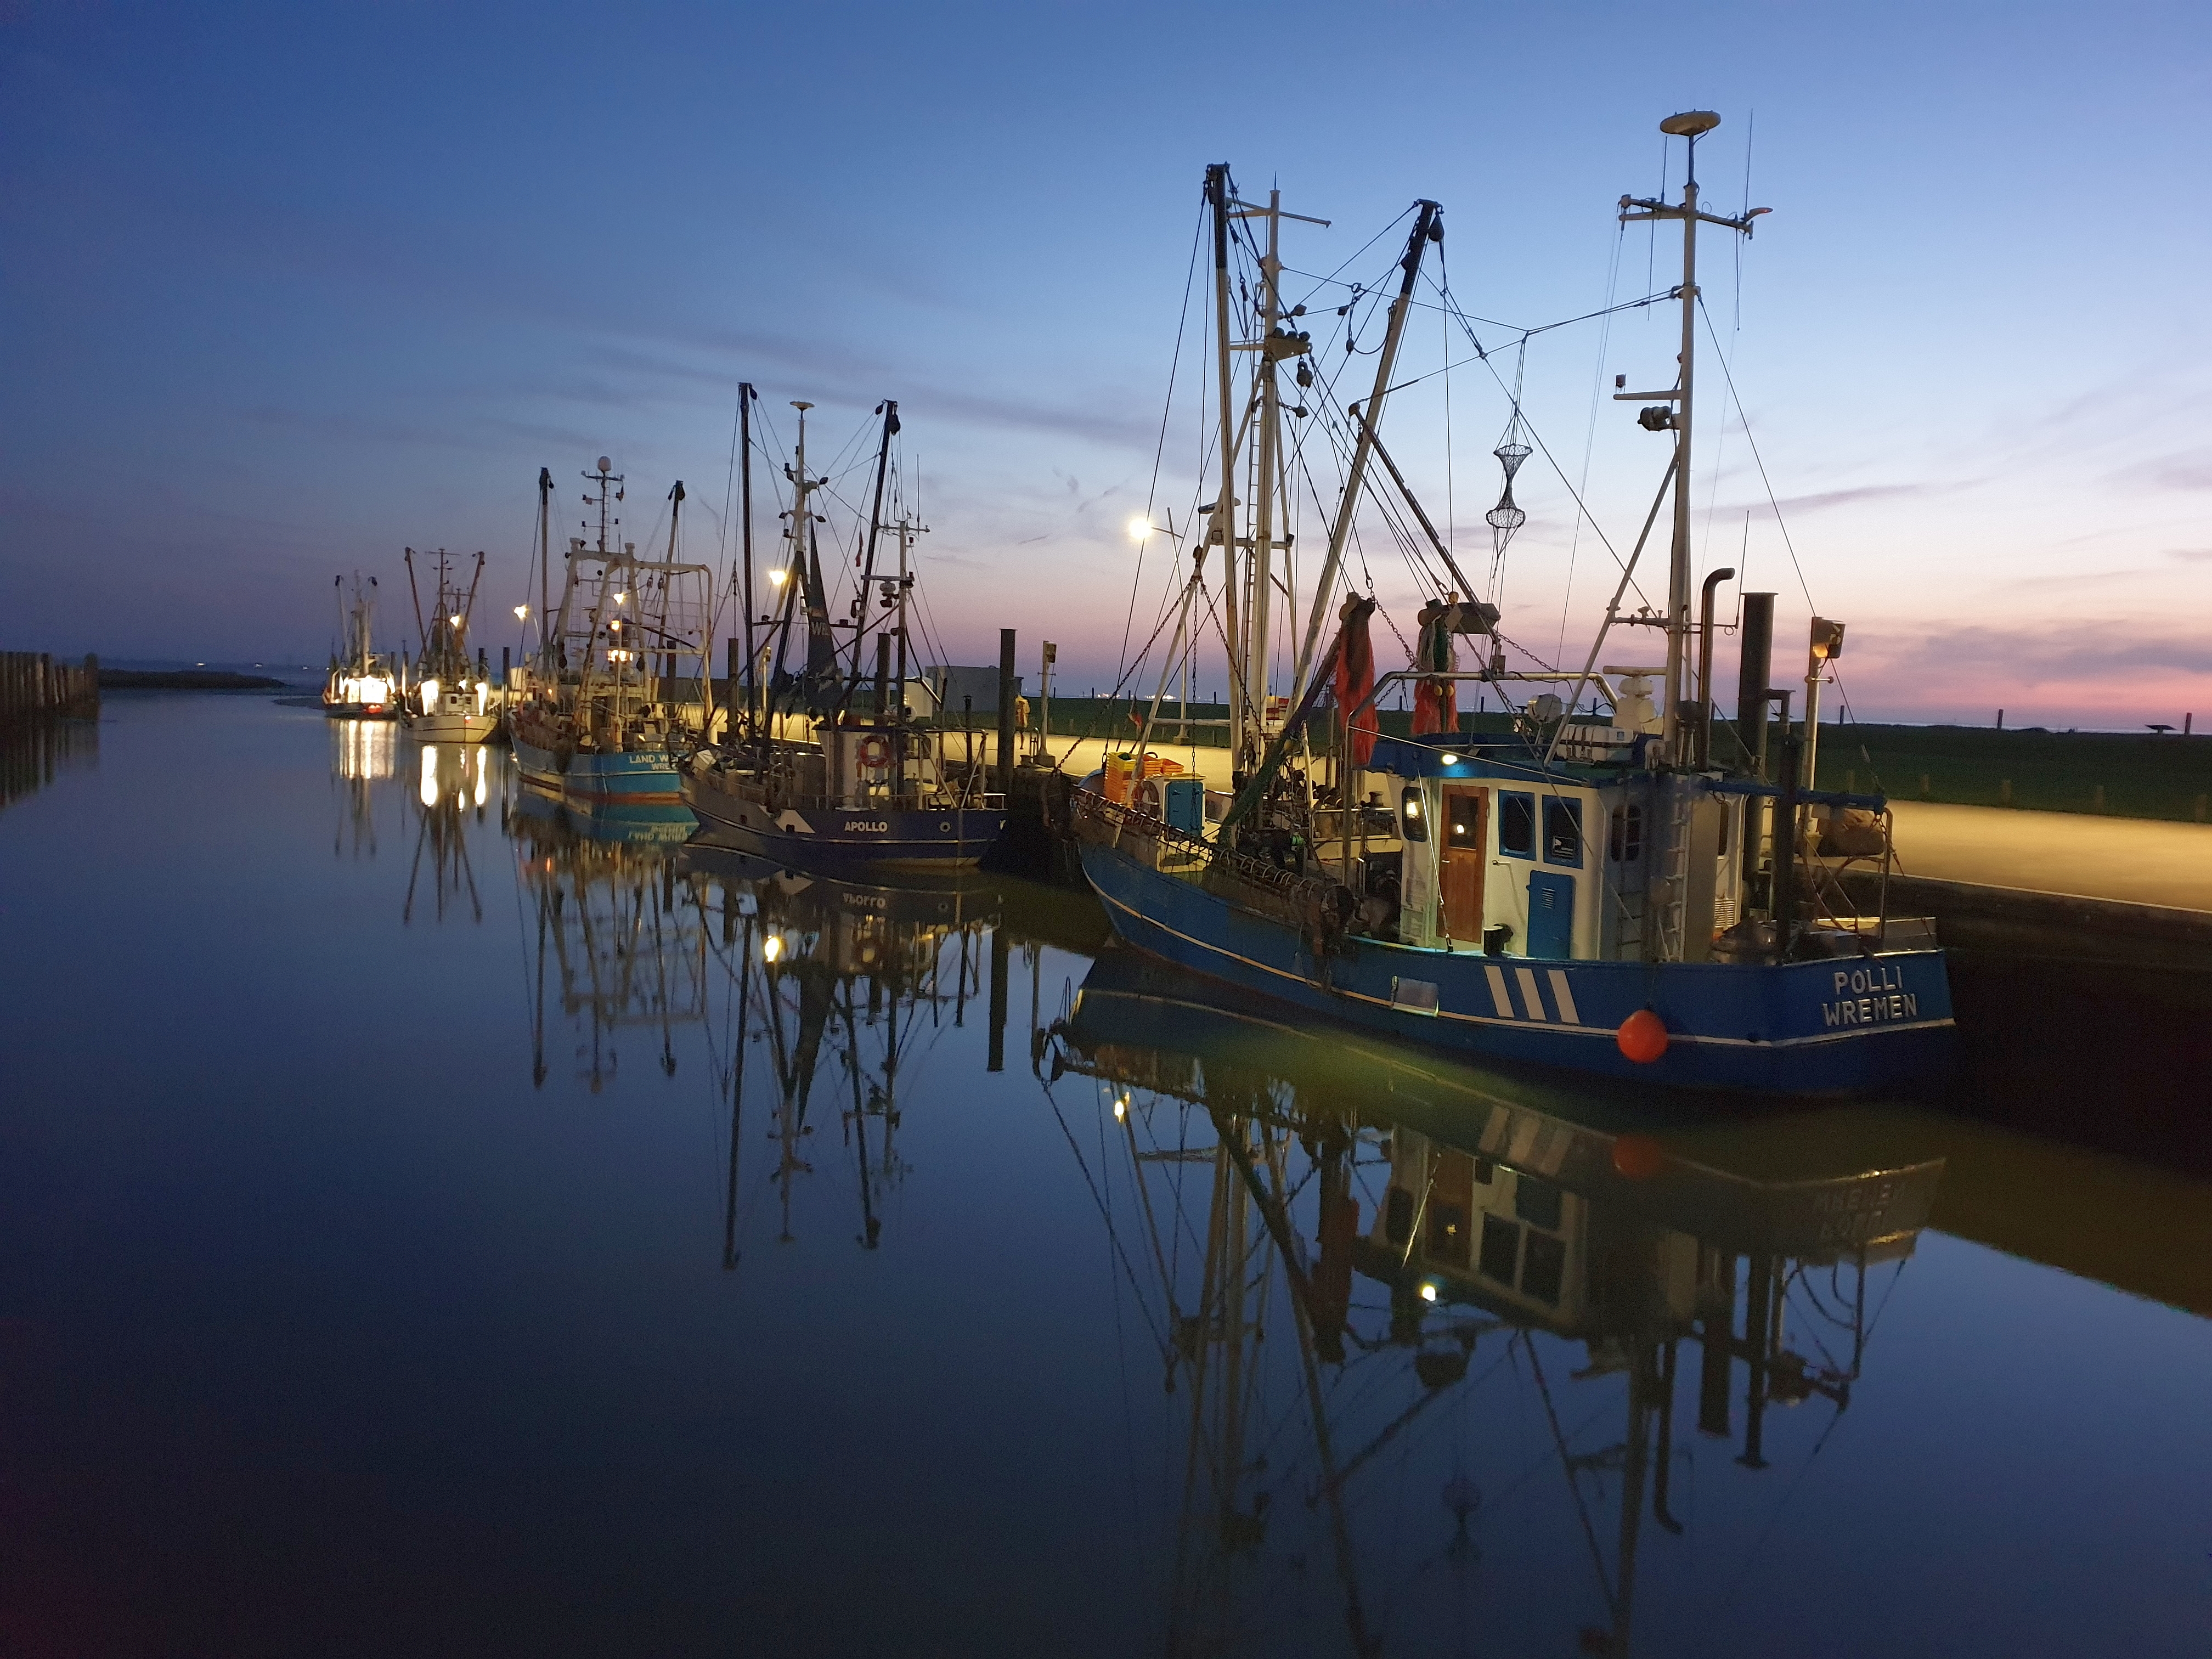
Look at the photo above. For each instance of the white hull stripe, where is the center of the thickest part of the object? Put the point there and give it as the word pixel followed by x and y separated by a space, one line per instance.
pixel 1498 996
pixel 1563 997
pixel 1531 998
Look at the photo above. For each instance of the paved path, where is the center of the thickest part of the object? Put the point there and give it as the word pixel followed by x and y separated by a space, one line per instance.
pixel 2134 859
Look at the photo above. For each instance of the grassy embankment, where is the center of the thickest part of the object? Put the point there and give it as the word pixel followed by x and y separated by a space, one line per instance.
pixel 2118 773
pixel 2141 774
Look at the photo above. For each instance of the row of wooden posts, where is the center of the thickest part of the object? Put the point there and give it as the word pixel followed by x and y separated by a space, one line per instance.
pixel 35 686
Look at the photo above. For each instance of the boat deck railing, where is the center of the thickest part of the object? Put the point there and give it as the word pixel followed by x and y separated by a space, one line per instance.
pixel 1175 850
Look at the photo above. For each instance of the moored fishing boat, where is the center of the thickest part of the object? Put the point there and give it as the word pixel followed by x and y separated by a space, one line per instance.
pixel 869 783
pixel 361 683
pixel 1633 892
pixel 448 698
pixel 619 690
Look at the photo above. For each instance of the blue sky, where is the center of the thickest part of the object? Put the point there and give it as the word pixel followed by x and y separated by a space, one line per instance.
pixel 284 288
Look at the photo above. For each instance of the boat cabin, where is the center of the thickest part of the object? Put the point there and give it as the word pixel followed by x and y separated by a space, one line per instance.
pixel 1501 854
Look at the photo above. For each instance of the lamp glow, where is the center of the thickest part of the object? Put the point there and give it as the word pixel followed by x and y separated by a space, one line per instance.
pixel 429 696
pixel 521 612
pixel 1428 1292
pixel 1139 529
pixel 771 947
pixel 622 598
pixel 1449 759
pixel 456 621
pixel 779 577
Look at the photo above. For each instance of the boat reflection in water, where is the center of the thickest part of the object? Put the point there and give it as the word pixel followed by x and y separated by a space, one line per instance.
pixel 1432 1237
pixel 838 984
pixel 619 944
pixel 363 753
pixel 456 782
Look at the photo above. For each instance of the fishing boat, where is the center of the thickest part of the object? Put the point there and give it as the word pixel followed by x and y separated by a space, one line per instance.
pixel 619 690
pixel 1635 890
pixel 830 764
pixel 447 699
pixel 362 683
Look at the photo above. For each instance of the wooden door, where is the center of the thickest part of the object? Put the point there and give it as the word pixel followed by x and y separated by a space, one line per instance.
pixel 1462 860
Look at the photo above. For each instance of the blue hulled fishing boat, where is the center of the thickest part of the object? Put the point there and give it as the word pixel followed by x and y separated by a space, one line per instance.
pixel 1635 889
pixel 619 690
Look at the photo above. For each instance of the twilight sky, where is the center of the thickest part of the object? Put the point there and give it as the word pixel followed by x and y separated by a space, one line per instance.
pixel 285 288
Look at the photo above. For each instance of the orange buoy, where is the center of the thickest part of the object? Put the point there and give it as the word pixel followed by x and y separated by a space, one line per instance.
pixel 1638 1157
pixel 1642 1036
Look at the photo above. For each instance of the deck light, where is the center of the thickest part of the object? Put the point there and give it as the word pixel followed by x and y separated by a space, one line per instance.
pixel 456 621
pixel 1428 1292
pixel 429 696
pixel 779 577
pixel 1449 758
pixel 771 947
pixel 521 612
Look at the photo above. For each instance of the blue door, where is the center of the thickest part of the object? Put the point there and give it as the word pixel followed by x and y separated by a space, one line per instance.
pixel 1551 914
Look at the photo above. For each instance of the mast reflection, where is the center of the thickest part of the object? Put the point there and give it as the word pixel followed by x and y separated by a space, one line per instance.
pixel 1396 1214
pixel 839 985
pixel 620 944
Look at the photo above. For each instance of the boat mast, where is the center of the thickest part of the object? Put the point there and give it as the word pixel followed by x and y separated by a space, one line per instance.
pixel 745 396
pixel 545 557
pixel 1428 227
pixel 1223 527
pixel 1691 125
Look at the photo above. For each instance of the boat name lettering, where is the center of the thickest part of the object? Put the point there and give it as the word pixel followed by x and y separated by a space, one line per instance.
pixel 1870 1011
pixel 1859 981
pixel 877 826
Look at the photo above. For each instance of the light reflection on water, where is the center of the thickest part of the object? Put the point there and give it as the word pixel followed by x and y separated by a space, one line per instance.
pixel 545 1234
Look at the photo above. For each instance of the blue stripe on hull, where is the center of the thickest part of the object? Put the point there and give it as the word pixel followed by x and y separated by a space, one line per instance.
pixel 1845 1025
pixel 838 838
pixel 630 778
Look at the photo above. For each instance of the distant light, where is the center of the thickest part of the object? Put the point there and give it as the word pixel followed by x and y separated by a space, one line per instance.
pixel 521 612
pixel 456 621
pixel 622 598
pixel 771 947
pixel 1121 1107
pixel 779 577
pixel 1139 529
pixel 1428 1292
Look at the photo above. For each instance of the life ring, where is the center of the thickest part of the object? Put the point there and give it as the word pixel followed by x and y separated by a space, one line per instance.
pixel 874 752
pixel 1152 800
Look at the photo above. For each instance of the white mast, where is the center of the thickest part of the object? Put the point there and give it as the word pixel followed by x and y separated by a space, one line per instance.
pixel 1274 343
pixel 1689 126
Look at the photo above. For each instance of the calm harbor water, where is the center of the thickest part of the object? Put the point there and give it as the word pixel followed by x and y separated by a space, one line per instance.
pixel 435 1224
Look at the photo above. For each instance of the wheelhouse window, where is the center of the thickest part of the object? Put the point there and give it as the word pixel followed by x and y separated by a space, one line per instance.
pixel 1412 822
pixel 1517 825
pixel 1563 831
pixel 1624 842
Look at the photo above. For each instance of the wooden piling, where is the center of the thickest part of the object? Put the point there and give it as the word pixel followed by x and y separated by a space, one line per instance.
pixel 2004 792
pixel 35 686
